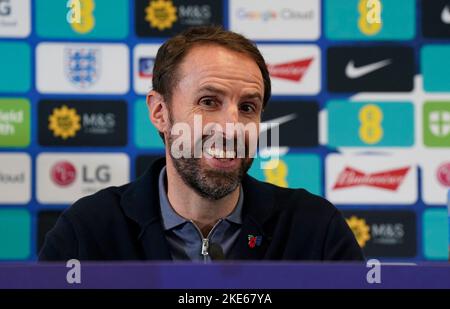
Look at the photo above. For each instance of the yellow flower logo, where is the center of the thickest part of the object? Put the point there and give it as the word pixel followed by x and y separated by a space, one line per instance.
pixel 360 229
pixel 64 122
pixel 161 14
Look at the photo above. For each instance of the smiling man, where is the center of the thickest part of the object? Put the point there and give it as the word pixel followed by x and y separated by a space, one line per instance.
pixel 202 205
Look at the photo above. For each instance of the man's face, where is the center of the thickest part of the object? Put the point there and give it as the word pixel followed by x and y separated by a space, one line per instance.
pixel 220 86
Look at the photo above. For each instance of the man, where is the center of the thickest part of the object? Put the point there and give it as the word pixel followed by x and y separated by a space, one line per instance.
pixel 206 207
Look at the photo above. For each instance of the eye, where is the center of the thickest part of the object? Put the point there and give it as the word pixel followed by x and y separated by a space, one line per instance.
pixel 208 102
pixel 248 108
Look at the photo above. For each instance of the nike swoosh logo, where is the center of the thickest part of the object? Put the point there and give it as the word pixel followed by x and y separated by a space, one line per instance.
pixel 445 15
pixel 353 72
pixel 276 122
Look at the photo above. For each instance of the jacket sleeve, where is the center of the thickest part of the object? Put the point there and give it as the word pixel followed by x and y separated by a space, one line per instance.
pixel 60 243
pixel 340 243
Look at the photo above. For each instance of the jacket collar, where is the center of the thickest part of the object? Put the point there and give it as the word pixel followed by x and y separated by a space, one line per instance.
pixel 140 202
pixel 259 204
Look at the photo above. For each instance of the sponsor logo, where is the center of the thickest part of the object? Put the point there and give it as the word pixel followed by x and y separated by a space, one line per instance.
pixel 356 72
pixel 384 233
pixel 360 229
pixel 82 19
pixel 370 124
pixel 63 173
pixel 9 120
pixel 372 20
pixel 161 14
pixel 292 71
pixel 371 179
pixel 435 178
pixel 445 15
pixel 435 19
pixel 6 178
pixel 5 8
pixel 289 170
pixel 436 124
pixel 82 123
pixel 276 122
pixel 82 66
pixel 288 20
pixel 64 122
pixel 64 178
pixel 143 61
pixel 269 15
pixel 168 17
pixel 291 74
pixel 443 174
pixel 194 15
pixel 389 180
pixel 370 69
pixel 388 233
pixel 99 123
pixel 288 117
pixel 15 178
pixel 439 123
pixel 146 67
pixel 14 122
pixel 15 18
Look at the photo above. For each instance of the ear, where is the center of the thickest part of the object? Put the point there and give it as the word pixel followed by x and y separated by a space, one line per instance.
pixel 158 112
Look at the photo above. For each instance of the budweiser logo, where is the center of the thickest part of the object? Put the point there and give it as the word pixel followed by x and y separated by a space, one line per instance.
pixel 293 71
pixel 389 180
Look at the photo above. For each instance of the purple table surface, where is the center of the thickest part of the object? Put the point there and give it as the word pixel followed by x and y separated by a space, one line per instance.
pixel 255 275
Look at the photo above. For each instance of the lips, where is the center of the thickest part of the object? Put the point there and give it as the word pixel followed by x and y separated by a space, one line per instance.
pixel 220 159
pixel 220 153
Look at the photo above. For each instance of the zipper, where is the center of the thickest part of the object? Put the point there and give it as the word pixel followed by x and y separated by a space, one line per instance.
pixel 205 241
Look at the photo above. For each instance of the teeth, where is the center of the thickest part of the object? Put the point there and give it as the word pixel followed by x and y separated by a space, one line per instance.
pixel 220 154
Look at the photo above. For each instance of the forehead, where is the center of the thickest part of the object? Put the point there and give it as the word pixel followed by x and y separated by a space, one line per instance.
pixel 214 62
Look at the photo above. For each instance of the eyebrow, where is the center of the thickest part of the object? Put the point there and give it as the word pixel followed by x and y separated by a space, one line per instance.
pixel 209 88
pixel 212 89
pixel 254 95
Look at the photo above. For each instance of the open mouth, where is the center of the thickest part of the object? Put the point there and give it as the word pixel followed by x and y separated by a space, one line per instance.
pixel 219 158
pixel 221 154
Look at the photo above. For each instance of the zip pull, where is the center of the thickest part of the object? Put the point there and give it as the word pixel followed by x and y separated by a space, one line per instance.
pixel 205 246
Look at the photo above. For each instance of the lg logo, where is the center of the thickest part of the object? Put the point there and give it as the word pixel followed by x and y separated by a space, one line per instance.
pixel 5 8
pixel 100 174
pixel 64 173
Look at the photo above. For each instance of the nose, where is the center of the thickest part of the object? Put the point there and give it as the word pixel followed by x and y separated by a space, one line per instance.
pixel 230 114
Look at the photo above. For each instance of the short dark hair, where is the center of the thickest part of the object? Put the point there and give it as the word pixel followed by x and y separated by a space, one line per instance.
pixel 173 51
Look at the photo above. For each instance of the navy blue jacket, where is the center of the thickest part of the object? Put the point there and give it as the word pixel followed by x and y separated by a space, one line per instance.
pixel 124 223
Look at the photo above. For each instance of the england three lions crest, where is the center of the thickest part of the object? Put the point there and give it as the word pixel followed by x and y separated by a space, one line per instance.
pixel 82 66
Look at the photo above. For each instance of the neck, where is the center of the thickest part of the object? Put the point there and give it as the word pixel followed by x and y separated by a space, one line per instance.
pixel 190 205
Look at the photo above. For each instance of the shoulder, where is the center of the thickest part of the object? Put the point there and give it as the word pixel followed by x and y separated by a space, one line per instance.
pixel 96 207
pixel 299 202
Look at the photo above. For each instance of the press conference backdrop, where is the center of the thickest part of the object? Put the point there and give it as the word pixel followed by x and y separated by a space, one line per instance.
pixel 362 88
